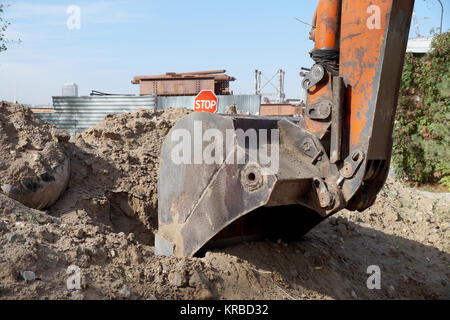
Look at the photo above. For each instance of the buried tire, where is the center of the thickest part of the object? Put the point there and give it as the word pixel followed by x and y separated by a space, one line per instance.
pixel 44 190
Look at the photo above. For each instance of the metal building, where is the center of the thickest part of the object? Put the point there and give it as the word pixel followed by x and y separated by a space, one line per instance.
pixel 419 46
pixel 76 114
pixel 184 84
pixel 69 89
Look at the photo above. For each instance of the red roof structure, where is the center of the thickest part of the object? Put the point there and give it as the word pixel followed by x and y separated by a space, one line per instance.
pixel 181 84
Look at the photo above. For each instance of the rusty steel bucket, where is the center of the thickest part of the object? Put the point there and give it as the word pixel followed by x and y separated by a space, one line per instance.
pixel 216 204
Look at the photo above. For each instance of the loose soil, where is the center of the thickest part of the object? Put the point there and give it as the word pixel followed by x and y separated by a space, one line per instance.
pixel 28 146
pixel 105 222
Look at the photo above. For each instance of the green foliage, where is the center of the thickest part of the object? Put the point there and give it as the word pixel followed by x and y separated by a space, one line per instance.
pixel 422 129
pixel 3 26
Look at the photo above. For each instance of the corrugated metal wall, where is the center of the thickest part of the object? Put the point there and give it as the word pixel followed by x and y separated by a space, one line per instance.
pixel 246 103
pixel 76 114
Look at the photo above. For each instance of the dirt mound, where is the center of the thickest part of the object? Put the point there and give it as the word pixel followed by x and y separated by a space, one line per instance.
pixel 104 226
pixel 28 146
pixel 34 167
pixel 115 168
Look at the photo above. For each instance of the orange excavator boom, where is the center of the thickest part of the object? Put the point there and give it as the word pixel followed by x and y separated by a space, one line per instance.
pixel 336 157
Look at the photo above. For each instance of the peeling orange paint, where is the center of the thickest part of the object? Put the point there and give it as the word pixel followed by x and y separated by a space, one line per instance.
pixel 359 60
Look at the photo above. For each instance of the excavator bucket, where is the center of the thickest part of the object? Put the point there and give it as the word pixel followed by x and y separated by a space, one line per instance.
pixel 251 171
pixel 230 178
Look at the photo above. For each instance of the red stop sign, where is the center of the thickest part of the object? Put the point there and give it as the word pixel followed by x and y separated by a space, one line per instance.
pixel 205 101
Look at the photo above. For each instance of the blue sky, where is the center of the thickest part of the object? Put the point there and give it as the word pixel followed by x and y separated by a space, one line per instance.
pixel 121 39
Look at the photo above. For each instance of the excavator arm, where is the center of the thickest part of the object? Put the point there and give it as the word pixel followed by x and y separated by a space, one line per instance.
pixel 335 157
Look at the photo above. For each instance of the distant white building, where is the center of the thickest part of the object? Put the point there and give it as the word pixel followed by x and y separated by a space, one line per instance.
pixel 69 90
pixel 419 45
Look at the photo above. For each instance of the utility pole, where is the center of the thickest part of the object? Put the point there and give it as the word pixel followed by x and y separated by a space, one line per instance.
pixel 442 16
pixel 416 25
pixel 257 82
pixel 280 93
pixel 282 96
